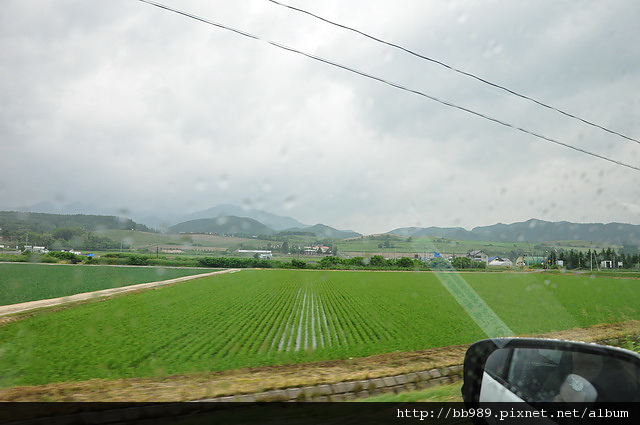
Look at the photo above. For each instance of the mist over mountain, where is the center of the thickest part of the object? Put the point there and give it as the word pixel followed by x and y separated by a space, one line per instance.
pixel 276 222
pixel 70 209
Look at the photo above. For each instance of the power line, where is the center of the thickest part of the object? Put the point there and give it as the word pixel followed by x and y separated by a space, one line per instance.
pixel 390 83
pixel 459 71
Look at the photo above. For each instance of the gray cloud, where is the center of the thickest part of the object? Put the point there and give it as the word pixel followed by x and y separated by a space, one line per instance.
pixel 124 105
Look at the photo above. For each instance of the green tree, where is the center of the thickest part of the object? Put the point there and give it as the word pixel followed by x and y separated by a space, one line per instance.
pixel 355 261
pixel 439 264
pixel 404 262
pixel 67 233
pixel 377 261
pixel 298 264
pixel 462 263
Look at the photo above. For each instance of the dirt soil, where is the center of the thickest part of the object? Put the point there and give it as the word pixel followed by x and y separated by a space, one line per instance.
pixel 250 380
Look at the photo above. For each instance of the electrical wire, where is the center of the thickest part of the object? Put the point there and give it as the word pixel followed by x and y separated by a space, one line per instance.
pixel 390 83
pixel 459 71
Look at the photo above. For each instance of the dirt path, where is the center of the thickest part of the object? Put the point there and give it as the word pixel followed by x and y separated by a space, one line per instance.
pixel 52 302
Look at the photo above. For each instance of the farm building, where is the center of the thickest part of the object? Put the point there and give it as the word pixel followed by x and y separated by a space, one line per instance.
pixel 530 261
pixel 33 248
pixel 263 255
pixel 610 264
pixel 317 249
pixel 477 255
pixel 498 261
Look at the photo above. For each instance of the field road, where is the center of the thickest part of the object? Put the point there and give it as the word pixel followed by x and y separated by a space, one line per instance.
pixel 31 305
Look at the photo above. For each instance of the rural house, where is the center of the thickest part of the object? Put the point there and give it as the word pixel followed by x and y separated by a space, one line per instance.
pixel 477 255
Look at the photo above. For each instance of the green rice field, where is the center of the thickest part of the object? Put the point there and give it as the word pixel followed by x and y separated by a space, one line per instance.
pixel 21 282
pixel 268 317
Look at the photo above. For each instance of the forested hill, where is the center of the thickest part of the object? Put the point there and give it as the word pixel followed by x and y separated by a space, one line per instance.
pixel 231 225
pixel 536 231
pixel 14 223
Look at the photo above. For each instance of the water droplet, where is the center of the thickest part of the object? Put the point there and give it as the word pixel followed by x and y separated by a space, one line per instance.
pixel 289 202
pixel 223 182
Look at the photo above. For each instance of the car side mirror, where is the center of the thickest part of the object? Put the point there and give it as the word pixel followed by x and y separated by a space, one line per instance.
pixel 543 370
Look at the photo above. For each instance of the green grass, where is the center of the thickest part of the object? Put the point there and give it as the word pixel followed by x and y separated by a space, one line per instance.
pixel 533 303
pixel 422 244
pixel 428 244
pixel 146 240
pixel 20 282
pixel 440 393
pixel 268 317
pixel 368 244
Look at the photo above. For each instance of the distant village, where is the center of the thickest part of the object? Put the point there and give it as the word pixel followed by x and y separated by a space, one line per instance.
pixel 323 250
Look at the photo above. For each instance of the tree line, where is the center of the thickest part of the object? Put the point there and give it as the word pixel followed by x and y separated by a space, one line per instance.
pixel 629 256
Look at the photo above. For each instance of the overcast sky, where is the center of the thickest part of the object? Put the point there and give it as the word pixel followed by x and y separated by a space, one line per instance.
pixel 135 109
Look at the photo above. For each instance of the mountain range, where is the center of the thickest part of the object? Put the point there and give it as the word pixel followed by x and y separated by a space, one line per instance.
pixel 535 231
pixel 233 219
pixel 232 225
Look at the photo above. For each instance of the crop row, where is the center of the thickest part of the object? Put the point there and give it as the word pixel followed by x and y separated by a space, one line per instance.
pixel 269 317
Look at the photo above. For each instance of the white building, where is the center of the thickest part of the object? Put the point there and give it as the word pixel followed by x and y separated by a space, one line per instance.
pixel 262 254
pixel 33 248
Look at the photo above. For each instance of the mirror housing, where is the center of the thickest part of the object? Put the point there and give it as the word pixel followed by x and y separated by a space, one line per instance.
pixel 544 370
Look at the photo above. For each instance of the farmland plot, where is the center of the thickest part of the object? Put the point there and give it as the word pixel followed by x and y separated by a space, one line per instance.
pixel 267 317
pixel 29 282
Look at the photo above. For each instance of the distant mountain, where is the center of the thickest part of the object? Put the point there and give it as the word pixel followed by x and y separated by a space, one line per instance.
pixel 323 231
pixel 536 231
pixel 276 222
pixel 228 224
pixel 540 231
pixel 78 208
pixel 232 225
